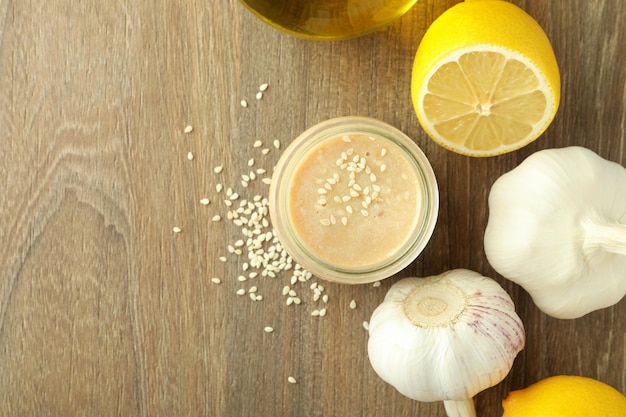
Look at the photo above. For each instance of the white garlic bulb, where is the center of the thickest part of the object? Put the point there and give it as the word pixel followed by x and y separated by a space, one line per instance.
pixel 445 338
pixel 557 227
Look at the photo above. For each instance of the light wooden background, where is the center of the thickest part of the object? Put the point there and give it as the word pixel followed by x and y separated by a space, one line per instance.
pixel 105 312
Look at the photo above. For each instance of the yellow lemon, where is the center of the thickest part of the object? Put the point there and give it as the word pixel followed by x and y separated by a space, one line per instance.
pixel 565 396
pixel 485 79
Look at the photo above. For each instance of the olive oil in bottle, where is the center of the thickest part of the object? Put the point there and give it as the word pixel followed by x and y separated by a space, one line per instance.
pixel 328 19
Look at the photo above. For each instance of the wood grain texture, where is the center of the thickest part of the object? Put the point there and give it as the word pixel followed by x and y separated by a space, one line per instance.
pixel 105 311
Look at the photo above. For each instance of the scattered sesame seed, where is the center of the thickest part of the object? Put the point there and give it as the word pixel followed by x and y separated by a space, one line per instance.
pixel 244 103
pixel 322 312
pixel 216 280
pixel 259 95
pixel 188 129
pixel 257 144
pixel 223 258
pixel 190 156
pixel 263 87
pixel 353 304
pixel 216 218
pixel 218 169
pixel 176 229
pixel 346 138
pixel 218 187
pixel 383 151
pixel 277 144
pixel 267 181
pixel 265 151
pixel 241 291
pixel 251 162
pixel 376 284
pixel 291 380
pixel 268 329
pixel 205 201
pixel 325 222
pixel 383 168
pixel 366 325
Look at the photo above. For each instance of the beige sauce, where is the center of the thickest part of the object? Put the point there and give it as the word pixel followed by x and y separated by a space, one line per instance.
pixel 355 200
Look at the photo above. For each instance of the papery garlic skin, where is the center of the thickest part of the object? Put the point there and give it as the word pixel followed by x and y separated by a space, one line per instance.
pixel 557 227
pixel 450 360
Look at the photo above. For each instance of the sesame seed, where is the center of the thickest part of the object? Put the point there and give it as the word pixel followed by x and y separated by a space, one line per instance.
pixel 277 144
pixel 267 181
pixel 383 151
pixel 265 151
pixel 268 329
pixel 315 313
pixel 352 304
pixel 291 380
pixel 366 325
pixel 216 218
pixel 244 103
pixel 325 222
pixel 257 144
pixel 242 278
pixel 344 221
pixel 190 156
pixel 383 168
pixel 325 298
pixel 365 213
pixel 376 284
pixel 250 162
pixel 241 291
pixel 216 280
pixel 205 201
pixel 322 312
pixel 253 289
pixel 218 169
pixel 219 187
pixel 176 229
pixel 188 129
pixel 263 87
pixel 223 259
pixel 346 138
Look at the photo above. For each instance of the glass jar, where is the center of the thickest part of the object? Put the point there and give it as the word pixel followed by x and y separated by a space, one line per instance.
pixel 328 19
pixel 353 200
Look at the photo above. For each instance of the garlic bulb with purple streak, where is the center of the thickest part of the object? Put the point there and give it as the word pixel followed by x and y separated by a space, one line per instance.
pixel 445 338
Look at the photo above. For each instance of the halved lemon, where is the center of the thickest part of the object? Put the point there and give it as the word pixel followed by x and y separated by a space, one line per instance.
pixel 485 79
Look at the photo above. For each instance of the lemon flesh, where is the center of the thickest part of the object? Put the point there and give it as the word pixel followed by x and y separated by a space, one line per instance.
pixel 485 80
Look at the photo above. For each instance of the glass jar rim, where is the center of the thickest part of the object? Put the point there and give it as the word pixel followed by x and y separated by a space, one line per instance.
pixel 348 125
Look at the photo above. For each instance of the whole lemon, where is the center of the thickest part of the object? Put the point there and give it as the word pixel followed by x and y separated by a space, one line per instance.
pixel 565 396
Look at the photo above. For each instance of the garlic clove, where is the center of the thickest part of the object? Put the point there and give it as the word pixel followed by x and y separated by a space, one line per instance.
pixel 445 337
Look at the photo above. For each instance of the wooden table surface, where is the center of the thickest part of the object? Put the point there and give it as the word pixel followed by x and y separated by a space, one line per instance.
pixel 104 311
